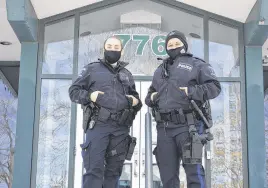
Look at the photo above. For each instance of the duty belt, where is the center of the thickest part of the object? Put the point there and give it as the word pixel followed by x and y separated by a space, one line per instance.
pixel 176 116
pixel 124 117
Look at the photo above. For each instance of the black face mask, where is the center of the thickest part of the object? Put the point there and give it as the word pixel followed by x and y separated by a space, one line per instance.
pixel 173 53
pixel 112 56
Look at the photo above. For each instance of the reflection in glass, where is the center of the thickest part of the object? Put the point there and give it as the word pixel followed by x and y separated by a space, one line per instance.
pixel 125 179
pixel 58 48
pixel 224 50
pixel 143 42
pixel 79 170
pixel 54 132
pixel 156 178
pixel 226 148
pixel 8 112
pixel 142 57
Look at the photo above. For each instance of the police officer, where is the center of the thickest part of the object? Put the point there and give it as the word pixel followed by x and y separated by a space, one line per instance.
pixel 178 80
pixel 111 88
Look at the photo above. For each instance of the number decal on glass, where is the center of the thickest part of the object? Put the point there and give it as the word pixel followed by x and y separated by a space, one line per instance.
pixel 158 46
pixel 124 38
pixel 143 41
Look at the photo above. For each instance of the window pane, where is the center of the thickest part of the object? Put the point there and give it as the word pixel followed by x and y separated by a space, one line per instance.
pixel 8 115
pixel 224 50
pixel 125 178
pixel 54 133
pixel 226 148
pixel 144 40
pixel 265 84
pixel 58 48
pixel 157 183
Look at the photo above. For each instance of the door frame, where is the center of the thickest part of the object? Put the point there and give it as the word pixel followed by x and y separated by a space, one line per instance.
pixel 76 13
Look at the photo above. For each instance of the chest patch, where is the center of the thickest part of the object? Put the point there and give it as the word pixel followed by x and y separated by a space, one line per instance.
pixel 123 78
pixel 185 66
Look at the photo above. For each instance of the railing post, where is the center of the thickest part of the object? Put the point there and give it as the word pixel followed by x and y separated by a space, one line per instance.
pixel 148 151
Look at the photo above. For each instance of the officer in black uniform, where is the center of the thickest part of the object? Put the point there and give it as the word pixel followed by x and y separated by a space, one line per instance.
pixel 178 80
pixel 110 87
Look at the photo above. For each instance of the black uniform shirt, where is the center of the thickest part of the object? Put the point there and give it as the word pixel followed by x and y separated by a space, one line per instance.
pixel 116 83
pixel 185 71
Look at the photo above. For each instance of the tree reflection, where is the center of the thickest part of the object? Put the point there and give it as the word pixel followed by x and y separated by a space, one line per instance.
pixel 226 163
pixel 54 130
pixel 8 111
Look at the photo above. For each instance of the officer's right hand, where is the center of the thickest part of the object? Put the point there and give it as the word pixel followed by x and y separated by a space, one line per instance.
pixel 94 95
pixel 152 96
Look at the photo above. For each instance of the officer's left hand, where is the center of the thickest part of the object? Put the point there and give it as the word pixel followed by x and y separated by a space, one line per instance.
pixel 135 101
pixel 185 89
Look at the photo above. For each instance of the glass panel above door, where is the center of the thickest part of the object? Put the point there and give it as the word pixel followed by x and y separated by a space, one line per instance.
pixel 224 50
pixel 143 37
pixel 58 48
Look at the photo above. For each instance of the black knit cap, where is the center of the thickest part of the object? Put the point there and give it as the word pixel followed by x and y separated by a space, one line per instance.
pixel 179 35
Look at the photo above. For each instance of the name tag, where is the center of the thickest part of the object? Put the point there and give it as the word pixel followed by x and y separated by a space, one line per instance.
pixel 185 67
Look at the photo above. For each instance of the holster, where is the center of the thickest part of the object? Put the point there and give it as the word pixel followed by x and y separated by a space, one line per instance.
pixel 123 117
pixel 88 112
pixel 127 117
pixel 156 114
pixel 193 150
pixel 131 148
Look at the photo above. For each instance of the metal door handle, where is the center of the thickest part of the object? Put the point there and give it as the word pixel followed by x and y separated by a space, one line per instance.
pixel 143 164
pixel 135 168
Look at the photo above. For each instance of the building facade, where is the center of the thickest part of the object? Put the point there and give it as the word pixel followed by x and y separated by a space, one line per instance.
pixel 55 49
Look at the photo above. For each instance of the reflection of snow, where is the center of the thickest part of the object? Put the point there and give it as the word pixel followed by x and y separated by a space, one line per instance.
pixel 58 57
pixel 222 58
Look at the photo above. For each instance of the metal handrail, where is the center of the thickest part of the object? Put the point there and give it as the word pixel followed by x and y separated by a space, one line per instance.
pixel 148 150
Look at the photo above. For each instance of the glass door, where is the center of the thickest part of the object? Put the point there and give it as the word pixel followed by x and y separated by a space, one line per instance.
pixel 156 175
pixel 133 175
pixel 143 37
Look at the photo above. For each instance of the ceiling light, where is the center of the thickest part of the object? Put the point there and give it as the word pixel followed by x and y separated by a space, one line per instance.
pixel 194 35
pixel 87 33
pixel 5 43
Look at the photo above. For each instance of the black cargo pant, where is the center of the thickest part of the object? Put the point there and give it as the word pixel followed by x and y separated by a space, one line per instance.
pixel 169 152
pixel 104 153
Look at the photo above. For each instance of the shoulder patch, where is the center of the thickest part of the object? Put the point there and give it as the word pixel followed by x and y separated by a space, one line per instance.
pixel 86 67
pixel 199 59
pixel 127 71
pixel 211 71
